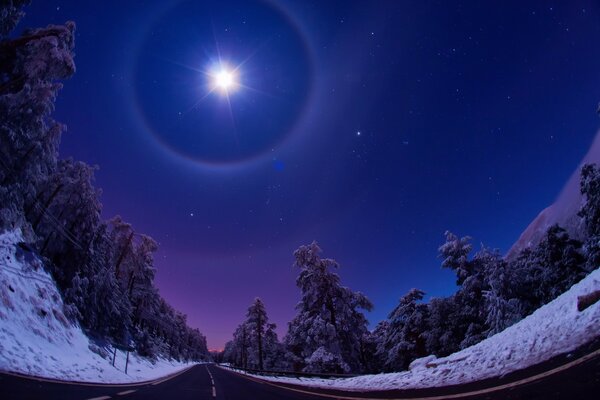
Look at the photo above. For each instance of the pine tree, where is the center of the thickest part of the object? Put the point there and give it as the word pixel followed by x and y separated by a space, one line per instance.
pixel 444 334
pixel 255 344
pixel 374 347
pixel 557 265
pixel 30 66
pixel 256 322
pixel 404 338
pixel 503 305
pixel 590 214
pixel 10 14
pixel 455 253
pixel 328 321
pixel 590 189
pixel 106 276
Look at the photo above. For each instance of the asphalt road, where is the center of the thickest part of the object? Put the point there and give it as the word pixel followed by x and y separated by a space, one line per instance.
pixel 209 382
pixel 197 383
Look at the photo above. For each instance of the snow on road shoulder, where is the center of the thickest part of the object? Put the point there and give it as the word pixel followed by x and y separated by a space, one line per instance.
pixel 37 339
pixel 554 329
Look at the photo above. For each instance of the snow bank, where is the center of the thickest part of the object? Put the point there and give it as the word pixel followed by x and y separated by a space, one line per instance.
pixel 37 339
pixel 554 329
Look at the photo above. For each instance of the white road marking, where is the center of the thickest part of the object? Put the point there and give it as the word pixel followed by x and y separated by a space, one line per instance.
pixel 442 397
pixel 212 382
pixel 100 398
pixel 98 384
pixel 126 392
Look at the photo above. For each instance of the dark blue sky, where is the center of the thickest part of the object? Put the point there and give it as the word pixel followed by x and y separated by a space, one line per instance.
pixel 471 118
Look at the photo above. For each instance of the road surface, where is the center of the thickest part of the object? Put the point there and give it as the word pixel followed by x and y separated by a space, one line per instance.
pixel 210 382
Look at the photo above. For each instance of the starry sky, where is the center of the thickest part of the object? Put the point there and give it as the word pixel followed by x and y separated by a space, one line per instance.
pixel 370 127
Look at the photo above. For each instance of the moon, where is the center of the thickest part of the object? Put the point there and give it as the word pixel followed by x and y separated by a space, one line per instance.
pixel 224 80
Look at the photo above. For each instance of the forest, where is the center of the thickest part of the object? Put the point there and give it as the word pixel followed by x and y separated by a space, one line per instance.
pixel 330 334
pixel 103 268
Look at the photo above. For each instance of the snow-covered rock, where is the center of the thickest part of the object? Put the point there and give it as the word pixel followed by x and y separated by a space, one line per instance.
pixel 564 209
pixel 423 362
pixel 37 339
pixel 554 329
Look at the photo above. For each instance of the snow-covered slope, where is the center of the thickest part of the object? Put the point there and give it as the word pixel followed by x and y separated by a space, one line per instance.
pixel 556 328
pixel 563 211
pixel 37 339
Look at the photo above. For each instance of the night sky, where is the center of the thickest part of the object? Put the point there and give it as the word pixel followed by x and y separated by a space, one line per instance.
pixel 371 127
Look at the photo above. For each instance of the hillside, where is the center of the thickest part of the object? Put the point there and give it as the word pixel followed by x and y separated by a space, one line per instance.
pixel 554 329
pixel 36 338
pixel 563 211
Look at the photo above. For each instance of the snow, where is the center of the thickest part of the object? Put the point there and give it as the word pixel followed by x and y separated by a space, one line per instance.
pixel 37 339
pixel 564 209
pixel 553 329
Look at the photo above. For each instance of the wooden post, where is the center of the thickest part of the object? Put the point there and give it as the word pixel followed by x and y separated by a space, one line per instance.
pixel 126 362
pixel 114 356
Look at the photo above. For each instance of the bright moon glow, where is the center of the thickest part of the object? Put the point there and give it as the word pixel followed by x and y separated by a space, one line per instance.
pixel 224 80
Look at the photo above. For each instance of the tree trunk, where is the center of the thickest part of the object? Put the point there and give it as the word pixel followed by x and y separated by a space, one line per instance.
pixel 260 344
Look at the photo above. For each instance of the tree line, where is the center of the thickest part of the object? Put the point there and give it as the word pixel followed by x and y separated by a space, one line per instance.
pixel 104 269
pixel 329 332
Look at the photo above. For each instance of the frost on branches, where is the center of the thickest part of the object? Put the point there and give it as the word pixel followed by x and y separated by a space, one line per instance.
pixel 103 269
pixel 328 321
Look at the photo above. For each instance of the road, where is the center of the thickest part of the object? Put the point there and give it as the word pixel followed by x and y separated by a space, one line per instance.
pixel 210 382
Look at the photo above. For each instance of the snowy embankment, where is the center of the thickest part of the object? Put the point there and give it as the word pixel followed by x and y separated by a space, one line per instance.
pixel 37 339
pixel 554 329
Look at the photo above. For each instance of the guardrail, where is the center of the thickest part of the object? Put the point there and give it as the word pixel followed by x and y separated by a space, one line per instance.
pixel 292 374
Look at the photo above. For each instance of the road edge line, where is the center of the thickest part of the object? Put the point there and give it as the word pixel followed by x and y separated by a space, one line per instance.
pixel 97 384
pixel 437 397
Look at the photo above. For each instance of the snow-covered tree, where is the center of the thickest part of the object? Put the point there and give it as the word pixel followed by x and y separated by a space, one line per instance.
pixel 66 222
pixel 256 321
pixel 322 360
pixel 455 254
pixel 374 347
pixel 241 344
pixel 276 357
pixel 255 343
pixel 503 306
pixel 105 275
pixel 443 335
pixel 97 297
pixel 590 214
pixel 468 312
pixel 30 66
pixel 556 265
pixel 590 189
pixel 328 318
pixel 404 338
pixel 10 14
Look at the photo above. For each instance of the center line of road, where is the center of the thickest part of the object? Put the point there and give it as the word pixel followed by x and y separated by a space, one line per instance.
pixel 125 392
pixel 212 382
